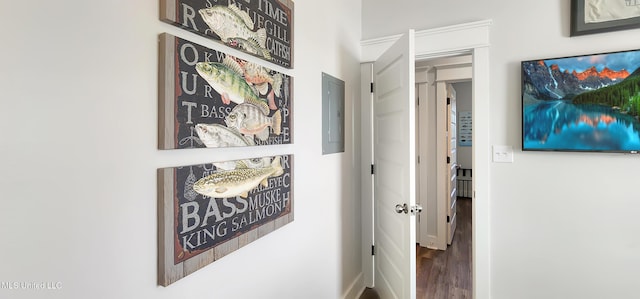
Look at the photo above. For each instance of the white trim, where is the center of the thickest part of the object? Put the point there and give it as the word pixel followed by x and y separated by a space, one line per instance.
pixel 451 40
pixel 366 159
pixel 355 289
pixel 481 161
pixel 441 166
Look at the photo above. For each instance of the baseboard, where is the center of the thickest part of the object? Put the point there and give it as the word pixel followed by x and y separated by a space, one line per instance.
pixel 355 289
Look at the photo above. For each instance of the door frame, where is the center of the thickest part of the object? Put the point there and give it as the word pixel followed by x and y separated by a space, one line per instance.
pixel 469 38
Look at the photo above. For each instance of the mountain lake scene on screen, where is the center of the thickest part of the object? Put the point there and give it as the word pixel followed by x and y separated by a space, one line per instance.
pixel 582 103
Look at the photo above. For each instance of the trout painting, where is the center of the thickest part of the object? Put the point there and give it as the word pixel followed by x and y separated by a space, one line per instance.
pixel 208 98
pixel 210 210
pixel 260 28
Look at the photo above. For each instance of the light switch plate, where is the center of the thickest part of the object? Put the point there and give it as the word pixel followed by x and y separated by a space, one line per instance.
pixel 502 154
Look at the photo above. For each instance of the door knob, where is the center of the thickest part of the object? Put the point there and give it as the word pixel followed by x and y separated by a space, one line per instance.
pixel 416 209
pixel 402 208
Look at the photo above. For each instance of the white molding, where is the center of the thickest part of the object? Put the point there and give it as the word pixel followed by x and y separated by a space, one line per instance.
pixel 355 289
pixel 428 43
pixel 451 62
pixel 454 74
pixel 366 160
pixel 481 251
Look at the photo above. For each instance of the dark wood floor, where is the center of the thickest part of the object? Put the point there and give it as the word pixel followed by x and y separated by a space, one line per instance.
pixel 444 274
pixel 369 294
pixel 447 274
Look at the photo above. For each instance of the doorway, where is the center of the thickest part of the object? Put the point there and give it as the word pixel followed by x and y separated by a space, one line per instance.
pixel 446 41
pixel 437 147
pixel 443 249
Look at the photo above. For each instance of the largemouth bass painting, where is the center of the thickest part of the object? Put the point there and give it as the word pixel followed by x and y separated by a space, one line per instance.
pixel 262 28
pixel 223 210
pixel 237 182
pixel 212 99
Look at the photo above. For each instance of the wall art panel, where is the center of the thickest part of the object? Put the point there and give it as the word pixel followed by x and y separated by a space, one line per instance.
pixel 210 210
pixel 261 28
pixel 208 98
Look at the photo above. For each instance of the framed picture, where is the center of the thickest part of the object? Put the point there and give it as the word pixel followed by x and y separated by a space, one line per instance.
pixel 261 28
pixel 596 16
pixel 208 211
pixel 208 98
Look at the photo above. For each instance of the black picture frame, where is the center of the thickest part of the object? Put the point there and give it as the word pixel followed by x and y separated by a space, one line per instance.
pixel 579 27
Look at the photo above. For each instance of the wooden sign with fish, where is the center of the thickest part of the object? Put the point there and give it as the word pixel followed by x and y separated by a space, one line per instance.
pixel 208 98
pixel 210 210
pixel 263 28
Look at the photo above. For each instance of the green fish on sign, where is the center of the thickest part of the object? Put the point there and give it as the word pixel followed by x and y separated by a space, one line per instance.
pixel 237 182
pixel 229 84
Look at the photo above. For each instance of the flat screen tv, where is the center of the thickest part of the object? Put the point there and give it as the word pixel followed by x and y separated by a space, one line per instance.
pixel 582 103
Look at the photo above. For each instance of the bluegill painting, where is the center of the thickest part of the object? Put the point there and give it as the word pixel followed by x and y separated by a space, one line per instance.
pixel 208 98
pixel 261 28
pixel 582 103
pixel 210 210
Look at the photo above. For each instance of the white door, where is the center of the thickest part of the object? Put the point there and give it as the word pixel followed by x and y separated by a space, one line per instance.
pixel 394 178
pixel 452 170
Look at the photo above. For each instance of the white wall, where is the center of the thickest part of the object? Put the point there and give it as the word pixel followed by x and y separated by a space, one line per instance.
pixel 78 120
pixel 562 225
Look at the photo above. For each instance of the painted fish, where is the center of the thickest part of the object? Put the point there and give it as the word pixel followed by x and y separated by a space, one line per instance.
pixel 237 182
pixel 249 120
pixel 258 77
pixel 250 46
pixel 261 78
pixel 230 21
pixel 215 135
pixel 247 163
pixel 257 74
pixel 229 83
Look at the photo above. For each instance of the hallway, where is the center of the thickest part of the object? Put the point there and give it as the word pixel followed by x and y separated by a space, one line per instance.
pixel 447 274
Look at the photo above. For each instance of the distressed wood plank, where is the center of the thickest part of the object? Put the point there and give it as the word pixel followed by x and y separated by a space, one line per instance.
pixel 265 229
pixel 166 87
pixel 226 248
pixel 280 222
pixel 167 272
pixel 247 238
pixel 198 262
pixel 168 10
